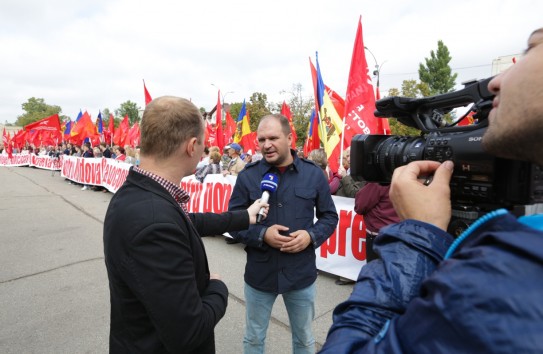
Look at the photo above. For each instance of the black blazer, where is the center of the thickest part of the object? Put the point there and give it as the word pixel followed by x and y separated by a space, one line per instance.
pixel 162 299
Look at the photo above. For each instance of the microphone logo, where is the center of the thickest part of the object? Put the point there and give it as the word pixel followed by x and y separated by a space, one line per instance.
pixel 269 183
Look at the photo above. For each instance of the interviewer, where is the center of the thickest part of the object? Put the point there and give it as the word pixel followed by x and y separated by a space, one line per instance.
pixel 163 297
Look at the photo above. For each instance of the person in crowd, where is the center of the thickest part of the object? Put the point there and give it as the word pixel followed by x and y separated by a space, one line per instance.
pixel 214 166
pixel 318 156
pixel 342 183
pixel 130 155
pixel 428 293
pixel 137 155
pixel 281 249
pixel 247 158
pixel 87 153
pixel 373 202
pixel 205 159
pixel 225 159
pixel 119 154
pixel 66 148
pixel 97 152
pixel 163 297
pixel 236 164
pixel 105 150
pixel 77 151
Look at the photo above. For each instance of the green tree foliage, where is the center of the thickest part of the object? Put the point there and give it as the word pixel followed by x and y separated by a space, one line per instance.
pixel 300 108
pixel 437 72
pixel 258 107
pixel 37 109
pixel 130 108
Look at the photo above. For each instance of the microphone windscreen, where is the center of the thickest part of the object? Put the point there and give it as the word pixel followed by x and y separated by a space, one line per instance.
pixel 269 182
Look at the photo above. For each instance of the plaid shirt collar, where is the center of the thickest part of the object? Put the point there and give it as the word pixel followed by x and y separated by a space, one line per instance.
pixel 178 193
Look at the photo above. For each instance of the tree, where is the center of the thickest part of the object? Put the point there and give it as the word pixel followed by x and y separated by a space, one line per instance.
pixel 129 108
pixel 437 72
pixel 258 107
pixel 300 108
pixel 37 109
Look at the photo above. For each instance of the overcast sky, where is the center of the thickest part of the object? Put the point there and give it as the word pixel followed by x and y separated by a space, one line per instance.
pixel 92 55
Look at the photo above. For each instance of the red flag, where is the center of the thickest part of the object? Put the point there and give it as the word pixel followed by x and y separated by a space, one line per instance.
pixel 209 134
pixel 285 110
pixel 230 129
pixel 468 120
pixel 360 99
pixel 219 140
pixel 19 139
pixel 6 140
pixel 133 136
pixel 146 93
pixel 84 128
pixel 111 128
pixel 121 132
pixel 51 123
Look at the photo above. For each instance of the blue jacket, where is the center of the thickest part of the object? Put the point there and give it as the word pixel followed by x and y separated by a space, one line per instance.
pixel 485 297
pixel 302 194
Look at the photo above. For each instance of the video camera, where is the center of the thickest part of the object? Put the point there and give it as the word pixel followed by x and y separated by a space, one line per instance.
pixel 480 182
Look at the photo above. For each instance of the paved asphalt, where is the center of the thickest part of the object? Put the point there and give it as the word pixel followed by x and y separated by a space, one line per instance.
pixel 53 284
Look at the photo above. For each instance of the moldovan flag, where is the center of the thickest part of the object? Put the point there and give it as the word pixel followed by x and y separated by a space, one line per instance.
pixel 146 93
pixel 285 110
pixel 312 142
pixel 330 123
pixel 337 100
pixel 219 134
pixel 360 99
pixel 243 135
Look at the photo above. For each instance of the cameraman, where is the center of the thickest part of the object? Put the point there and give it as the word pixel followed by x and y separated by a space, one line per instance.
pixel 482 294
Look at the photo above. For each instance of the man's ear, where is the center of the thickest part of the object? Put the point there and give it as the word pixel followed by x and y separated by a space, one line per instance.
pixel 191 146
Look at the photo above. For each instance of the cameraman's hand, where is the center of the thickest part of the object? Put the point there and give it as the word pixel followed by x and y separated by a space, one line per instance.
pixel 414 200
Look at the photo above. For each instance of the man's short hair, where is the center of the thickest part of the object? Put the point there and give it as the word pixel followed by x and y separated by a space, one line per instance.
pixel 168 122
pixel 285 124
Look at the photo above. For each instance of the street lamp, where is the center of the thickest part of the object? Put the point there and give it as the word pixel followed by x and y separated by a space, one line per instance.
pixel 378 68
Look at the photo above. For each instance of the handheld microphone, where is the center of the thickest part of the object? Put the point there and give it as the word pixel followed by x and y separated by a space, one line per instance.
pixel 267 186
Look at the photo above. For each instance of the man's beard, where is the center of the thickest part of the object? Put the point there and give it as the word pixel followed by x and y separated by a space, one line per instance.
pixel 519 144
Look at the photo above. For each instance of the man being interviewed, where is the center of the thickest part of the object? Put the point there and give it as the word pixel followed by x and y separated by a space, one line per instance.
pixel 163 297
pixel 281 250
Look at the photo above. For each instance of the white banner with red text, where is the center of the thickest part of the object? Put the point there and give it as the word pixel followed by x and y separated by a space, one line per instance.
pixel 107 173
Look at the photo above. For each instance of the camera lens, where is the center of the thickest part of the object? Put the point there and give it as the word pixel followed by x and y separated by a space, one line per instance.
pixel 397 151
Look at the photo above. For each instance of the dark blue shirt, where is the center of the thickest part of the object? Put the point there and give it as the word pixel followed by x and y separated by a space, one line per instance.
pixel 302 194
